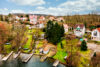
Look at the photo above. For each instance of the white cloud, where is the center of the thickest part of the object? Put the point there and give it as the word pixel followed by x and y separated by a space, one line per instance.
pixel 28 2
pixel 69 7
pixel 4 11
pixel 51 11
pixel 40 8
pixel 81 5
pixel 17 11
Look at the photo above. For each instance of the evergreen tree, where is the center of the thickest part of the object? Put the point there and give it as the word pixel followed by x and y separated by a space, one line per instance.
pixel 94 54
pixel 83 45
pixel 54 32
pixel 85 24
pixel 62 30
pixel 61 45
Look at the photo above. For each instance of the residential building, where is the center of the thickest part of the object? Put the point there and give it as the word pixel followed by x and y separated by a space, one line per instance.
pixel 65 28
pixel 95 34
pixel 23 18
pixel 52 18
pixel 79 30
pixel 33 19
pixel 60 19
pixel 41 22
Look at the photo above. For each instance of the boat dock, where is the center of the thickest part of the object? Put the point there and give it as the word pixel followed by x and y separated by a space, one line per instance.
pixel 56 63
pixel 43 58
pixel 27 59
pixel 8 56
pixel 16 55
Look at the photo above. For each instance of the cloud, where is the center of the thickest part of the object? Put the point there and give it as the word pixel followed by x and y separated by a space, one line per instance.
pixel 51 11
pixel 17 11
pixel 28 2
pixel 81 5
pixel 40 8
pixel 69 7
pixel 4 11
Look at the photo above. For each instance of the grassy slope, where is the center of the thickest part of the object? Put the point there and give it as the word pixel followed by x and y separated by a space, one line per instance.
pixel 61 53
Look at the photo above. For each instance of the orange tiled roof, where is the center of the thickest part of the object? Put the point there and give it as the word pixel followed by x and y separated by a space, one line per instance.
pixel 98 29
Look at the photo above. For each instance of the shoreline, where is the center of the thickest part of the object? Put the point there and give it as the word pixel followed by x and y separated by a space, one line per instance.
pixel 50 59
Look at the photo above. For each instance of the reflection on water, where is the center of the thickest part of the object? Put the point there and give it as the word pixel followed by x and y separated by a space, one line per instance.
pixel 34 62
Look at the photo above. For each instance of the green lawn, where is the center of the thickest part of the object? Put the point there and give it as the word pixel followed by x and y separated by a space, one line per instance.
pixel 40 44
pixel 60 56
pixel 28 43
pixel 61 52
pixel 59 46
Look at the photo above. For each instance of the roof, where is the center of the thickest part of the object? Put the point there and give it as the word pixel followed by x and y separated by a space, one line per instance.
pixel 80 25
pixel 98 29
pixel 46 48
pixel 42 17
pixel 65 25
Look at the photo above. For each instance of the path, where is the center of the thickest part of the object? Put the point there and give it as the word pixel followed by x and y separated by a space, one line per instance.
pixel 94 47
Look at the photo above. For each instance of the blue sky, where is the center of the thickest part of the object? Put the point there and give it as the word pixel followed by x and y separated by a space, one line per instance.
pixel 53 7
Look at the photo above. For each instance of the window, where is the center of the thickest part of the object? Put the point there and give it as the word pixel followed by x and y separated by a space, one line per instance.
pixel 95 33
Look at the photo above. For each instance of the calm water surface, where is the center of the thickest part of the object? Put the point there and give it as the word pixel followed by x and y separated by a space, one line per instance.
pixel 34 62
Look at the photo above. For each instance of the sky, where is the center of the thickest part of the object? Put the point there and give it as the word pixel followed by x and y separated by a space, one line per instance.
pixel 51 7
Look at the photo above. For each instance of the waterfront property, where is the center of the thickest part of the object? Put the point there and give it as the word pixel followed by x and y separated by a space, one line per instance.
pixel 95 34
pixel 79 30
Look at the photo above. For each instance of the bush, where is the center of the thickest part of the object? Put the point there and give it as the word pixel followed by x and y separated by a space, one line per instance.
pixel 83 45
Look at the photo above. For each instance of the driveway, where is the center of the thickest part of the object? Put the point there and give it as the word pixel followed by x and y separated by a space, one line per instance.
pixel 94 47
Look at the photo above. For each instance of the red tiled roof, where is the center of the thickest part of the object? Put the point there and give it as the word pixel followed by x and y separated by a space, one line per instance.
pixel 42 17
pixel 98 29
pixel 80 25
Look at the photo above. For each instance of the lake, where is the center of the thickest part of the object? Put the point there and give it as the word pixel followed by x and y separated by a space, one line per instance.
pixel 34 62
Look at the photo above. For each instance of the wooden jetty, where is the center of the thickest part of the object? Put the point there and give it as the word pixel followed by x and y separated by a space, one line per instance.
pixel 16 55
pixel 56 63
pixel 8 56
pixel 26 60
pixel 43 58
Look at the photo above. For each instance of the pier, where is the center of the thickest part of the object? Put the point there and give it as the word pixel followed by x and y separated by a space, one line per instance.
pixel 16 55
pixel 8 56
pixel 55 64
pixel 27 59
pixel 43 58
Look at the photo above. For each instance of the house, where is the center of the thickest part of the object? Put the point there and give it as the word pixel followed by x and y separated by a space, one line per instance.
pixel 46 48
pixel 41 22
pixel 65 28
pixel 79 30
pixel 60 19
pixel 33 19
pixel 17 18
pixel 41 25
pixel 23 18
pixel 42 18
pixel 95 34
pixel 52 18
